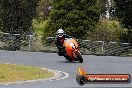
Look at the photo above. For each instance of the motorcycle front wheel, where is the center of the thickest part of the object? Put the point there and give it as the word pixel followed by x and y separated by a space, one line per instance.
pixel 80 59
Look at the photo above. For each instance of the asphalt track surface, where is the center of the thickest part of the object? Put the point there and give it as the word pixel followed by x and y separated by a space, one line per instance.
pixel 92 64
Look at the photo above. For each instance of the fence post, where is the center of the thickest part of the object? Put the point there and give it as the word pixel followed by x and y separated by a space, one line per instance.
pixel 29 44
pixel 102 47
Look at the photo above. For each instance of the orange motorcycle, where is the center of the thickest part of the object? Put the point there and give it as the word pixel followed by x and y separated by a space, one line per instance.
pixel 72 50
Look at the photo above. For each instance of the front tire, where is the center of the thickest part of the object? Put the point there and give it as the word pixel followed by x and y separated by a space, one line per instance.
pixel 80 59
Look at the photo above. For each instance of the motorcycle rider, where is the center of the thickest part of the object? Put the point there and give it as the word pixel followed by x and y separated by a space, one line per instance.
pixel 59 42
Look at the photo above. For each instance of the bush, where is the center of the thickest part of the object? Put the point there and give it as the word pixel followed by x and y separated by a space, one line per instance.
pixel 108 30
pixel 39 27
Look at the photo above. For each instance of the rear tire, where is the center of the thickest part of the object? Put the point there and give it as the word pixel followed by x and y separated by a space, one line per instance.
pixel 67 58
pixel 80 59
pixel 70 60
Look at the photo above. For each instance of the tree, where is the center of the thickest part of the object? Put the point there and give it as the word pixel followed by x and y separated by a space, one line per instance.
pixel 17 15
pixel 43 9
pixel 1 14
pixel 123 13
pixel 107 9
pixel 76 17
pixel 102 4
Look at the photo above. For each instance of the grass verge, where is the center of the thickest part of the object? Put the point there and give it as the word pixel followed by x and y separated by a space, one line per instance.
pixel 13 73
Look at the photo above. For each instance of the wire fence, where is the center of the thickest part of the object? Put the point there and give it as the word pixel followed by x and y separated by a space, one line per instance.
pixel 106 48
pixel 24 43
pixel 37 43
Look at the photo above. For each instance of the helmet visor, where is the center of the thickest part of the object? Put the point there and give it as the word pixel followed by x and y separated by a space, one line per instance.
pixel 60 34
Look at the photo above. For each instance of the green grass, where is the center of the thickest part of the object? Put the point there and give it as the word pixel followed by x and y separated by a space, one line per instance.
pixel 12 73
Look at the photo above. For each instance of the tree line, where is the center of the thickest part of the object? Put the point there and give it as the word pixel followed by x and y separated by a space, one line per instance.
pixel 77 17
pixel 16 15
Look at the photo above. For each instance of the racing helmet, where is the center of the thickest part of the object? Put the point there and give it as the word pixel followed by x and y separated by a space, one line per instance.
pixel 60 33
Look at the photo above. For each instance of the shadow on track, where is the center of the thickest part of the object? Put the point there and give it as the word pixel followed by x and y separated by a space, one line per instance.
pixel 67 62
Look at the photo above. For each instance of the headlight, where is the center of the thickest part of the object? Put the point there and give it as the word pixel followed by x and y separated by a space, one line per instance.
pixel 72 45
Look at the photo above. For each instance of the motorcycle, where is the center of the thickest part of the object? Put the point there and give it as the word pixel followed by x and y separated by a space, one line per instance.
pixel 72 50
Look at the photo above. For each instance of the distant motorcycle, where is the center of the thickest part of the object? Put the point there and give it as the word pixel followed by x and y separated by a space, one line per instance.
pixel 72 50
